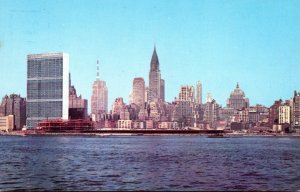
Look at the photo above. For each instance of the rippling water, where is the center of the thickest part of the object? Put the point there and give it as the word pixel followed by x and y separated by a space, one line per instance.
pixel 149 163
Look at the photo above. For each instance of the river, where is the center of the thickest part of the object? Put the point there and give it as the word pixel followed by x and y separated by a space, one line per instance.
pixel 149 163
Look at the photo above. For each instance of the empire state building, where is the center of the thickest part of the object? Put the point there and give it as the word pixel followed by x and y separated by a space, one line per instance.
pixel 99 97
pixel 156 84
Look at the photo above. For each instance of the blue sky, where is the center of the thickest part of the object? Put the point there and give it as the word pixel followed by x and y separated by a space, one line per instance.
pixel 255 43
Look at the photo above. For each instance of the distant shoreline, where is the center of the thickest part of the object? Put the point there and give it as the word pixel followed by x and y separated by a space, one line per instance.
pixel 134 133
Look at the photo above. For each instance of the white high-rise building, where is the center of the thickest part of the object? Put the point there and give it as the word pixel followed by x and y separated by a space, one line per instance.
pixel 284 115
pixel 47 87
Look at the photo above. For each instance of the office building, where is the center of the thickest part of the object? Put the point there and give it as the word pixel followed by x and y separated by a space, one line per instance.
pixel 184 107
pixel 284 116
pixel 146 93
pixel 7 123
pixel 154 78
pixel 47 87
pixel 187 93
pixel 211 113
pixel 138 92
pixel 99 99
pixel 198 98
pixel 296 111
pixel 274 113
pixel 117 108
pixel 162 90
pixel 14 105
pixel 77 105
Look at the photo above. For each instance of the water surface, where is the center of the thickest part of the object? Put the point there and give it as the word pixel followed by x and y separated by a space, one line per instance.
pixel 149 163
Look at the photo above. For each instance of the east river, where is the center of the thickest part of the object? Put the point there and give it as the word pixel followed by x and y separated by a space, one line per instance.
pixel 149 163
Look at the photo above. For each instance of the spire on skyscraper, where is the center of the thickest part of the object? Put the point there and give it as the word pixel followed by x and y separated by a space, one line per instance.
pixel 237 85
pixel 97 76
pixel 154 60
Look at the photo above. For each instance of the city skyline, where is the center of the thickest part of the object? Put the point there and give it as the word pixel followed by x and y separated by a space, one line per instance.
pixel 257 46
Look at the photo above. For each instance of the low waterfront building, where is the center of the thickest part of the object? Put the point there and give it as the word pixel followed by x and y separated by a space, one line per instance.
pixel 109 123
pixel 124 124
pixel 14 105
pixel 168 125
pixel 59 125
pixel 149 124
pixel 277 128
pixel 237 126
pixel 138 125
pixel 7 123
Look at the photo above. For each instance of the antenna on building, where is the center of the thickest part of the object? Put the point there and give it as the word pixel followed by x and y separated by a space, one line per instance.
pixel 209 97
pixel 97 70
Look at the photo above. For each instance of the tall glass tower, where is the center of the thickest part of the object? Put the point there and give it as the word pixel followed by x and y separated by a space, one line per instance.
pixel 47 87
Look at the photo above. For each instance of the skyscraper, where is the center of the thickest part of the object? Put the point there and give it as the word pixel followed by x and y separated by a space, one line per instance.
pixel 154 78
pixel 199 92
pixel 99 99
pixel 187 93
pixel 138 91
pixel 146 93
pixel 184 106
pixel 77 105
pixel 47 87
pixel 162 89
pixel 211 112
pixel 296 111
pixel 284 115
